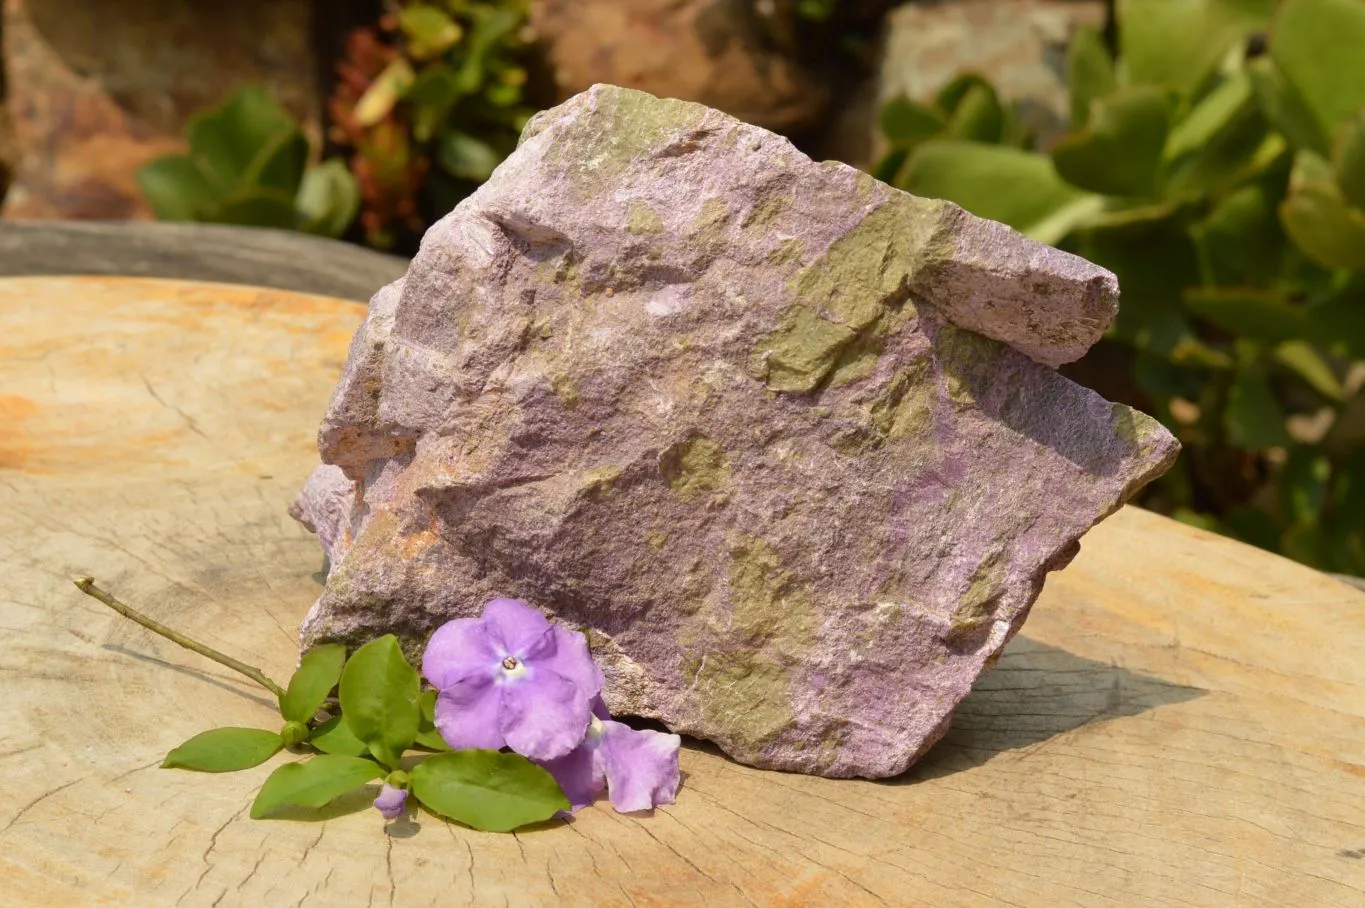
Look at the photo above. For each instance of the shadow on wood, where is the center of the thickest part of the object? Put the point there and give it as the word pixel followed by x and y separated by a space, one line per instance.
pixel 1034 693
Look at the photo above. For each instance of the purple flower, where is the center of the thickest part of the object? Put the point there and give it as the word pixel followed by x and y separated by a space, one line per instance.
pixel 391 801
pixel 638 768
pixel 512 679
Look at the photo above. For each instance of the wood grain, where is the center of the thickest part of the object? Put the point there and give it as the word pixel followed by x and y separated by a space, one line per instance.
pixel 1180 722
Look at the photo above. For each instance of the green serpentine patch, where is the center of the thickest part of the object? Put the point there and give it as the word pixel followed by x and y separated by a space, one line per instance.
pixel 694 466
pixel 625 126
pixel 745 686
pixel 642 220
pixel 905 408
pixel 834 328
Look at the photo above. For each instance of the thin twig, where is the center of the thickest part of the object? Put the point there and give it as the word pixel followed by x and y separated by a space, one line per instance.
pixel 87 585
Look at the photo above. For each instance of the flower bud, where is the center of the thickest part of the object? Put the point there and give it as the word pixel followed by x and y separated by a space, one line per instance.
pixel 294 733
pixel 391 801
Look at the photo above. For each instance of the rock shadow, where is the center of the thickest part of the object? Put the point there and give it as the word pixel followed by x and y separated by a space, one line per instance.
pixel 1038 403
pixel 1034 693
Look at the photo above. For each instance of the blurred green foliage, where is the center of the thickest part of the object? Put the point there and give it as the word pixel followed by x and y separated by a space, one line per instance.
pixel 816 10
pixel 1216 164
pixel 427 103
pixel 248 164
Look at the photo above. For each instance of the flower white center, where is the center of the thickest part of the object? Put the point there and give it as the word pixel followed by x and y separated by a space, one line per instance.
pixel 512 668
pixel 594 735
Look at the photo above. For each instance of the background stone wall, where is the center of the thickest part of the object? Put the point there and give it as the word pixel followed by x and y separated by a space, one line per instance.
pixel 97 87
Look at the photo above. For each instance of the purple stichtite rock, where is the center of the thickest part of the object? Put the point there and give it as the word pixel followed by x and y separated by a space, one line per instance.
pixel 786 442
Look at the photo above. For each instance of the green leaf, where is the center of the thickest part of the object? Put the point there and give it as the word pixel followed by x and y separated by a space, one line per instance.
pixel 1318 219
pixel 228 139
pixel 384 92
pixel 1317 45
pixel 906 123
pixel 280 163
pixel 318 672
pixel 952 93
pixel 1160 377
pixel 430 32
pixel 1126 215
pixel 1284 107
pixel 176 188
pixel 1177 44
pixel 335 737
pixel 1014 131
pixel 889 167
pixel 255 208
pixel 1338 323
pixel 328 199
pixel 1089 73
pixel 1212 115
pixel 1119 151
pixel 466 157
pixel 431 97
pixel 431 740
pixel 977 116
pixel 1241 239
pixel 490 27
pixel 1253 418
pixel 224 750
pixel 427 735
pixel 1312 168
pixel 1004 184
pixel 1301 358
pixel 1245 150
pixel 1155 262
pixel 501 94
pixel 313 783
pixel 379 694
pixel 1348 159
pixel 484 789
pixel 1258 314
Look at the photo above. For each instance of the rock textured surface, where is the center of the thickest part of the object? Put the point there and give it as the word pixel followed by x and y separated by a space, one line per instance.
pixel 784 441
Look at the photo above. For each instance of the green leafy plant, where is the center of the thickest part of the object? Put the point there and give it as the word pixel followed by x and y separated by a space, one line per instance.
pixel 368 732
pixel 1216 164
pixel 247 164
pixel 427 105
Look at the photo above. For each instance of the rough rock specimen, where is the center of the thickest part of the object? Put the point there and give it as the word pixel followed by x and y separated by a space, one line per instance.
pixel 785 441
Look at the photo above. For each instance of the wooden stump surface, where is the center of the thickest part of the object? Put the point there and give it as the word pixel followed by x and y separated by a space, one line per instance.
pixel 1179 723
pixel 281 259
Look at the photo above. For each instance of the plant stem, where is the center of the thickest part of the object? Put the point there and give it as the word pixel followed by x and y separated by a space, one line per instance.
pixel 87 585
